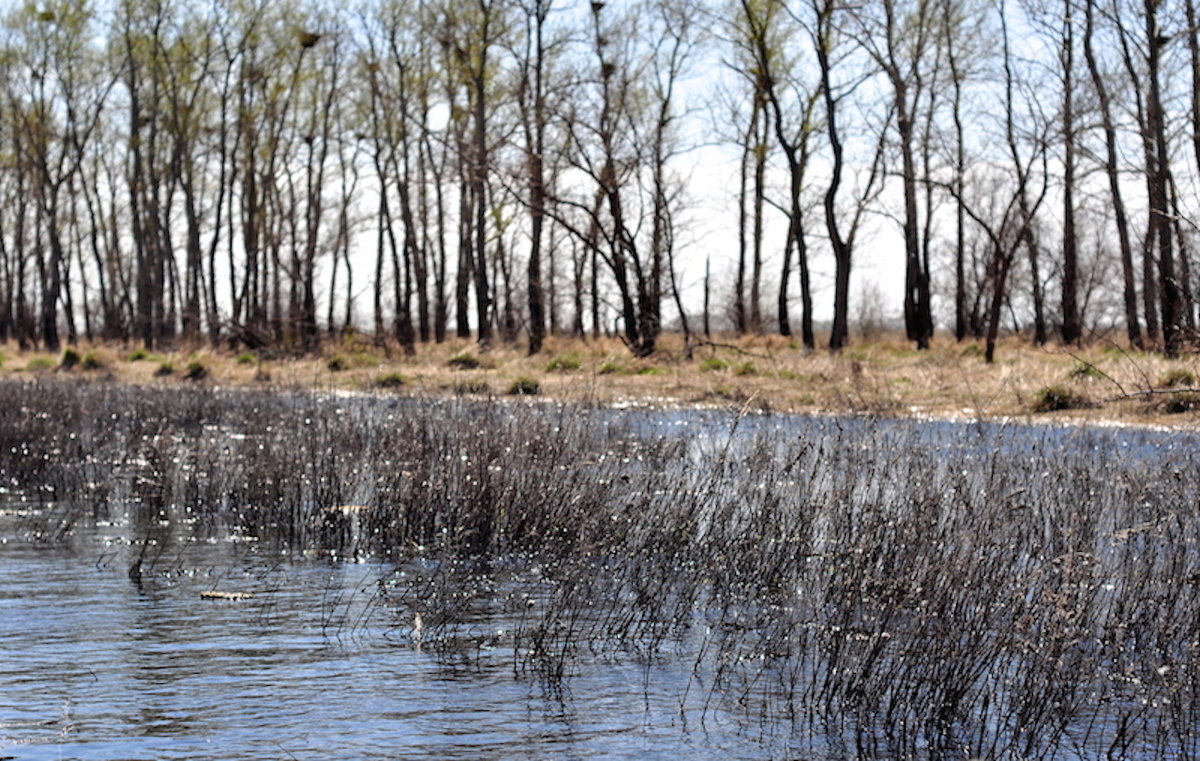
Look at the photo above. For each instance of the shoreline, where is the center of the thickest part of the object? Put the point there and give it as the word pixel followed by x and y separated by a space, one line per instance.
pixel 1102 387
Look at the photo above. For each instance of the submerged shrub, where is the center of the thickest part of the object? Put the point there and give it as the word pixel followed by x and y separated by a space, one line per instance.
pixel 464 361
pixel 1053 398
pixel 1177 404
pixel 69 359
pixel 1177 376
pixel 390 380
pixel 564 363
pixel 524 386
pixel 195 371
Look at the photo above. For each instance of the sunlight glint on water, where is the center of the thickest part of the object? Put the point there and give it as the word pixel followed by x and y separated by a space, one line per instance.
pixel 91 667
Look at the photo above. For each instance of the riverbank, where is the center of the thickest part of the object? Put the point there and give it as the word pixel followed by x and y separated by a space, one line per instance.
pixel 1101 383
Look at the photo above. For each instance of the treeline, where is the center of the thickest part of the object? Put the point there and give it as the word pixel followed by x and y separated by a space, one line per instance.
pixel 265 172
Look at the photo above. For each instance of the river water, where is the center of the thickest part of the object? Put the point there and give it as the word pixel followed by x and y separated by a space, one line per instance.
pixel 324 659
pixel 313 666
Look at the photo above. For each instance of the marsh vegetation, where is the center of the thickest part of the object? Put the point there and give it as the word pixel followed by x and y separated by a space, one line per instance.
pixel 888 588
pixel 882 376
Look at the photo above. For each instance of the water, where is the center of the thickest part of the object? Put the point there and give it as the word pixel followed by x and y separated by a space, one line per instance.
pixel 314 665
pixel 769 588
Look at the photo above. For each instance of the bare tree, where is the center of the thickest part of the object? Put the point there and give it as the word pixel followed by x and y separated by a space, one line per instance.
pixel 898 35
pixel 531 94
pixel 63 92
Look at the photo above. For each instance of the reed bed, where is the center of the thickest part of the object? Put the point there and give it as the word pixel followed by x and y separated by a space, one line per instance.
pixel 905 589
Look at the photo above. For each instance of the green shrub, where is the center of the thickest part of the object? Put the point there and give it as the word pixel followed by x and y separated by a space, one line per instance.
pixel 91 361
pixel 390 380
pixel 336 364
pixel 137 355
pixel 1177 376
pixel 745 368
pixel 39 364
pixel 789 375
pixel 972 350
pixel 713 364
pixel 563 363
pixel 464 361
pixel 609 367
pixel 1052 398
pixel 726 393
pixel 195 371
pixel 69 359
pixel 364 359
pixel 524 386
pixel 247 358
pixel 164 369
pixel 651 370
pixel 471 386
pixel 1085 371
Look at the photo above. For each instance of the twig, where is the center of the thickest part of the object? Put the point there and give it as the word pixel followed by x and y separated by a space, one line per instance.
pixel 1152 392
pixel 1136 366
pixel 738 349
pixel 1091 366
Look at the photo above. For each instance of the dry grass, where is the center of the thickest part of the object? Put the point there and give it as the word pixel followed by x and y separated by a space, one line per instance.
pixel 884 376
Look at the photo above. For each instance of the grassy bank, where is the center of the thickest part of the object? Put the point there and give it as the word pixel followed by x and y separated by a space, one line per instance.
pixel 885 376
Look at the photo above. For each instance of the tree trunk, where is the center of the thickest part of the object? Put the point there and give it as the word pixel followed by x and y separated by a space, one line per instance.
pixel 840 333
pixel 1072 328
pixel 483 301
pixel 1158 177
pixel 1133 328
pixel 918 314
pixel 760 194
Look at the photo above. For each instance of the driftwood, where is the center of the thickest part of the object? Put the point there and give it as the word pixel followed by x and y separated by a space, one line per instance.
pixel 1123 395
pixel 1149 392
pixel 212 594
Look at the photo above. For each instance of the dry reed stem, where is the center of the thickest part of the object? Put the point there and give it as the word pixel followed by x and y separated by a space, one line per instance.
pixel 929 590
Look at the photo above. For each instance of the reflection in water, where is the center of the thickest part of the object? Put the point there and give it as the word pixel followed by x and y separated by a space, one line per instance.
pixel 94 667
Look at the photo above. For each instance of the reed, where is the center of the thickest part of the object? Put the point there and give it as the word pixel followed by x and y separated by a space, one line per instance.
pixel 912 589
